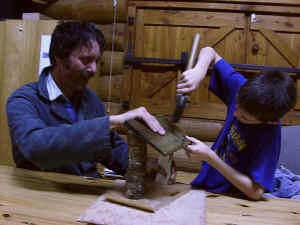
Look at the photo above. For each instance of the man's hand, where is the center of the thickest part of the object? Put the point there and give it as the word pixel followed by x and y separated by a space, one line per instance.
pixel 139 113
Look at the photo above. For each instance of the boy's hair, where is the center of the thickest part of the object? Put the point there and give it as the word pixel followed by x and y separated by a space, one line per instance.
pixel 70 35
pixel 268 96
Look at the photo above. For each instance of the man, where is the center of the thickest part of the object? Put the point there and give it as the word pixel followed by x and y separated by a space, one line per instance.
pixel 57 124
pixel 245 154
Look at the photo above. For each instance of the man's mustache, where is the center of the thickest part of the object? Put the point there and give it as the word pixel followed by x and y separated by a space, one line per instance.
pixel 87 74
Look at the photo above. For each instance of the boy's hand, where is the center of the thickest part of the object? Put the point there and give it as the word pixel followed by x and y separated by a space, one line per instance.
pixel 198 149
pixel 189 81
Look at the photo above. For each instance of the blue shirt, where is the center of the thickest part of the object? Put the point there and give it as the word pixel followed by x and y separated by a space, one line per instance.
pixel 46 137
pixel 54 92
pixel 252 149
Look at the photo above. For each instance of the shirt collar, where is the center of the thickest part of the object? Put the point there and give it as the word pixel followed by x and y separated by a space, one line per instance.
pixel 53 90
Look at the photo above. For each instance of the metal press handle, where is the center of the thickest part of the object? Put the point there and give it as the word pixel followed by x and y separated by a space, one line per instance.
pixel 193 52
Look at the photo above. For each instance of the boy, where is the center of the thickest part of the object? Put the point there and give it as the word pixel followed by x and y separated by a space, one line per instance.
pixel 245 154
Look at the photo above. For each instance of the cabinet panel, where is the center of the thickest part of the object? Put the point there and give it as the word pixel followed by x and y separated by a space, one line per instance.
pixel 166 33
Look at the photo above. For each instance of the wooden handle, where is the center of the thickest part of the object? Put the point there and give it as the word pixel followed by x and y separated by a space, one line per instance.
pixel 193 52
pixel 128 202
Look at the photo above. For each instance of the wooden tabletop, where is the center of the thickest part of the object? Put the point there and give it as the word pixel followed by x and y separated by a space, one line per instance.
pixel 29 197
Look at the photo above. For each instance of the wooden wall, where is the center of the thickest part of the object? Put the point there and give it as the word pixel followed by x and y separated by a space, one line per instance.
pixel 19 48
pixel 161 29
pixel 165 29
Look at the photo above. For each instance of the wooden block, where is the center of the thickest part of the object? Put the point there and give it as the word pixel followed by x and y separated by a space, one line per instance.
pixel 172 141
pixel 156 196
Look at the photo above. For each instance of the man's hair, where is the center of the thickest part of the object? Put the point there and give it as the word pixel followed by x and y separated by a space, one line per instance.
pixel 70 35
pixel 268 96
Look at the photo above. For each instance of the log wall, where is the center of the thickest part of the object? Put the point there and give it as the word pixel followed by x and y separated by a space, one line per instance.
pixel 152 36
pixel 99 11
pixel 18 66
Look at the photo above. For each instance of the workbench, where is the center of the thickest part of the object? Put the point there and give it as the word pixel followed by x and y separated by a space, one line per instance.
pixel 30 197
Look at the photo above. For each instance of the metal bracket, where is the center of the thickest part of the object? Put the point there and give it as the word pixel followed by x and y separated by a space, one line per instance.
pixel 130 20
pixel 258 67
pixel 129 59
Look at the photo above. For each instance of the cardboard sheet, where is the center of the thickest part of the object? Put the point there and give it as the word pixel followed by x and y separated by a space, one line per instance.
pixel 189 209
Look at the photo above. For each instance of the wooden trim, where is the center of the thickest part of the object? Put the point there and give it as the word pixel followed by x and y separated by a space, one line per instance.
pixel 213 37
pixel 226 6
pixel 193 18
pixel 118 65
pixel 247 36
pixel 279 23
pixel 205 110
pixel 279 44
pixel 138 50
pixel 153 90
pixel 128 73
pixel 182 2
pixel 297 107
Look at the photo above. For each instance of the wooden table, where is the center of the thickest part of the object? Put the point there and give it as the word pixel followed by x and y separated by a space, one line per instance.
pixel 29 197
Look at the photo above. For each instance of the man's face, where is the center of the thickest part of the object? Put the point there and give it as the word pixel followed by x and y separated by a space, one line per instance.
pixel 80 67
pixel 245 117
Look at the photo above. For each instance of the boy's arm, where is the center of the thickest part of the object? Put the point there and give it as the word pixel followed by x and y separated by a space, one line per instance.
pixel 238 179
pixel 190 79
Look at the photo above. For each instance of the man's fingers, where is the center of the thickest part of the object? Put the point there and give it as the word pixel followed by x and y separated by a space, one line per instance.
pixel 154 125
pixel 151 121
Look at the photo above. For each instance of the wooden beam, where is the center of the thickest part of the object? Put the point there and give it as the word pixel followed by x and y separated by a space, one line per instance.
pixel 281 23
pixel 297 107
pixel 265 2
pixel 99 11
pixel 120 32
pixel 193 18
pixel 213 37
pixel 128 69
pixel 118 63
pixel 226 6
pixel 281 46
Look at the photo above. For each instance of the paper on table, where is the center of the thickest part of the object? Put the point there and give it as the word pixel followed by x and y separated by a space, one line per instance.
pixel 191 204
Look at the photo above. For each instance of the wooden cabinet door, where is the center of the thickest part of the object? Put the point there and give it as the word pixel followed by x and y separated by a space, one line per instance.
pixel 168 33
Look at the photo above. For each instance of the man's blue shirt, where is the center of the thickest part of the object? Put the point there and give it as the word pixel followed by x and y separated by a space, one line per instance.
pixel 46 137
pixel 251 149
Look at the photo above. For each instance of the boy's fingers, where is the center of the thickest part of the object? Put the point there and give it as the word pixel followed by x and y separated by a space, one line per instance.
pixel 192 139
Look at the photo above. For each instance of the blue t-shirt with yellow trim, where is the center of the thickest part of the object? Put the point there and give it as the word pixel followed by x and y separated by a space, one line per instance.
pixel 251 149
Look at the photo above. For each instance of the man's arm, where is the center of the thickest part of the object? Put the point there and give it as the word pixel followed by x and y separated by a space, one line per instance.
pixel 244 183
pixel 50 147
pixel 191 79
pixel 139 113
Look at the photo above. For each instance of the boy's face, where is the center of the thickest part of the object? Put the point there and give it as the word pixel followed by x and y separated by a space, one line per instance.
pixel 245 117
